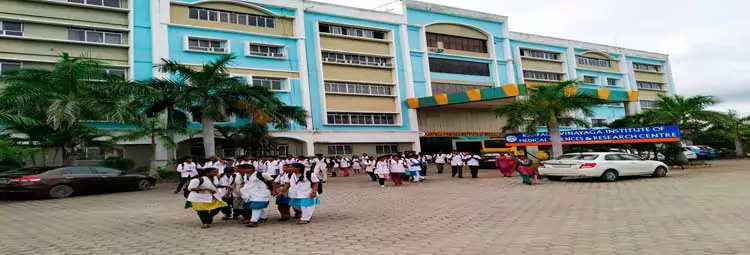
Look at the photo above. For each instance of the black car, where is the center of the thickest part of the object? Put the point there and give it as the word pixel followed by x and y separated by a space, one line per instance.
pixel 60 182
pixel 488 160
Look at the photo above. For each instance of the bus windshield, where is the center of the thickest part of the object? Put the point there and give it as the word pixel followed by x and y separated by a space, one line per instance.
pixel 494 143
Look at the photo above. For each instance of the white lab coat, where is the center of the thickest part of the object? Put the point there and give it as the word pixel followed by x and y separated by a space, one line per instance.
pixel 187 170
pixel 382 167
pixel 457 160
pixel 215 164
pixel 203 196
pixel 255 189
pixel 301 189
pixel 472 160
pixel 397 166
pixel 440 158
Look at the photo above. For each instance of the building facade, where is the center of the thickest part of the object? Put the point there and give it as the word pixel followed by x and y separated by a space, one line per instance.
pixel 372 81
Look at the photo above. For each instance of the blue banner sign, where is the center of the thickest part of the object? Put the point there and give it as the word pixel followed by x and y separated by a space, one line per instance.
pixel 652 134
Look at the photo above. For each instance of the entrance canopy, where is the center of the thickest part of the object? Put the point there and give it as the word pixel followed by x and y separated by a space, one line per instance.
pixel 489 96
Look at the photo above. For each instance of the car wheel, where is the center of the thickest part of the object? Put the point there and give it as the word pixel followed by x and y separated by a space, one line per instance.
pixel 610 175
pixel 660 171
pixel 554 178
pixel 144 184
pixel 61 191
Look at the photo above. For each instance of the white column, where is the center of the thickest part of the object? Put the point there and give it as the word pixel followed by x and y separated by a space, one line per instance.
pixel 517 60
pixel 159 31
pixel 408 76
pixel 509 61
pixel 672 90
pixel 493 58
pixel 571 64
pixel 425 61
pixel 304 78
pixel 310 147
pixel 131 44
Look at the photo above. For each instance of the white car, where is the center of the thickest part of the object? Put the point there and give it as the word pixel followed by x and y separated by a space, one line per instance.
pixel 690 155
pixel 607 165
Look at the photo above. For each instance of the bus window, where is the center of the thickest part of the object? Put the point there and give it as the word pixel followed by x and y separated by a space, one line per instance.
pixel 494 144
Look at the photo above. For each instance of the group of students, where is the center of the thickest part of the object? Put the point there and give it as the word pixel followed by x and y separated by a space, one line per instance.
pixel 245 190
pixel 398 168
pixel 457 162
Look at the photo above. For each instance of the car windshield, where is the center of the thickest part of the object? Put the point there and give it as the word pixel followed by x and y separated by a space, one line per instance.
pixel 26 171
pixel 577 157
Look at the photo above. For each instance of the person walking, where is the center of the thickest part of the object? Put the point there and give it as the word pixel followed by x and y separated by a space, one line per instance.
pixel 187 169
pixel 204 197
pixel 256 193
pixel 215 162
pixel 282 196
pixel 440 160
pixel 356 164
pixel 398 170
pixel 344 164
pixel 370 166
pixel 382 170
pixel 472 160
pixel 504 163
pixel 415 168
pixel 457 164
pixel 526 169
pixel 303 191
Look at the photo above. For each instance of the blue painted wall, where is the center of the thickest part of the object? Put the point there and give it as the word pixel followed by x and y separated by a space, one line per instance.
pixel 609 112
pixel 142 49
pixel 316 88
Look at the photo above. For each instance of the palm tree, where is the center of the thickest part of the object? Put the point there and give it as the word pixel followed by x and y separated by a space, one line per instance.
pixel 735 126
pixel 689 113
pixel 76 89
pixel 153 128
pixel 211 94
pixel 548 106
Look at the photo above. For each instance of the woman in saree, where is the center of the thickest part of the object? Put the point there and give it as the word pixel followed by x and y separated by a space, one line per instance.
pixel 525 167
pixel 504 163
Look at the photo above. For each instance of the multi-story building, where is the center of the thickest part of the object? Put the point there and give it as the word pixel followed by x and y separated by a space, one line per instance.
pixel 377 82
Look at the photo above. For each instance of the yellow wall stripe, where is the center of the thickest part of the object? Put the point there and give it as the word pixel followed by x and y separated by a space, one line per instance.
pixel 474 94
pixel 633 95
pixel 571 91
pixel 412 102
pixel 511 90
pixel 441 99
pixel 603 93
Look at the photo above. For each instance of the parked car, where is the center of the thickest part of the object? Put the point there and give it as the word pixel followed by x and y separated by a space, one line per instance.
pixel 701 152
pixel 608 166
pixel 488 160
pixel 61 182
pixel 689 154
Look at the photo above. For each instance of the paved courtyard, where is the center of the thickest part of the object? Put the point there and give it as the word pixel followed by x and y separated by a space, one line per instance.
pixel 699 211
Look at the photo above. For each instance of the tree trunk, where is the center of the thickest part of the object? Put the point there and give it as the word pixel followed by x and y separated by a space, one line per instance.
pixel 555 138
pixel 738 150
pixel 209 136
pixel 152 158
pixel 68 158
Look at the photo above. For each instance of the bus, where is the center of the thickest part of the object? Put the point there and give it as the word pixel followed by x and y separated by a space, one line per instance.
pixel 497 145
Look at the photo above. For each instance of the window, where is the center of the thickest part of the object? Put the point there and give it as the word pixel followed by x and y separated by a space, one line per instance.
pixel 456 43
pixel 353 118
pixel 542 76
pixel 231 17
pixel 282 150
pixel 589 79
pixel 646 67
pixel 629 157
pixel 8 67
pixel 340 149
pixel 106 3
pixel 599 122
pixel 119 73
pixel 612 82
pixel 386 148
pixel 107 171
pixel 540 54
pixel 440 65
pixel 77 170
pixel 351 31
pixel 648 104
pixel 577 156
pixel 358 88
pixel 208 45
pixel 612 157
pixel 355 59
pixel 11 28
pixel 94 36
pixel 650 85
pixel 265 50
pixel 276 84
pixel 594 62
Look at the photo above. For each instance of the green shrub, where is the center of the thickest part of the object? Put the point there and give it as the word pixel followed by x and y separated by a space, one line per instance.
pixel 120 163
pixel 168 174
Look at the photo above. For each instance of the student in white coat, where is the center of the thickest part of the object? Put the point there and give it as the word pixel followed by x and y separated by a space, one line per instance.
pixel 472 160
pixel 236 182
pixel 344 164
pixel 440 159
pixel 223 189
pixel 187 169
pixel 256 193
pixel 382 170
pixel 204 197
pixel 415 168
pixel 215 162
pixel 321 167
pixel 356 164
pixel 302 189
pixel 457 164
pixel 398 170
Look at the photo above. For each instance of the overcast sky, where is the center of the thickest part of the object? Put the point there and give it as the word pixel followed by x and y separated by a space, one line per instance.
pixel 708 41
